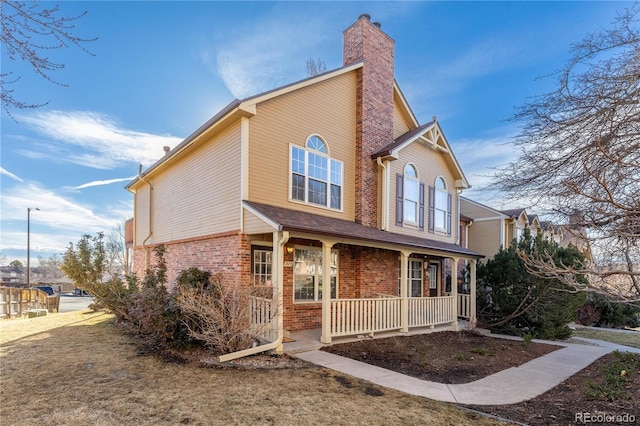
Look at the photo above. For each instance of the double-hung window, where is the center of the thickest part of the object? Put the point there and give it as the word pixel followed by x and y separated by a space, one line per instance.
pixel 316 178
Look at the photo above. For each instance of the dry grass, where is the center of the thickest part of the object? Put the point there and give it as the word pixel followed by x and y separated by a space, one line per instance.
pixel 627 339
pixel 77 369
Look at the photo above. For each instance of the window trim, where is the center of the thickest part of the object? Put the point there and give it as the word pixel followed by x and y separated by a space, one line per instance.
pixel 440 192
pixel 261 249
pixel 316 290
pixel 328 182
pixel 405 196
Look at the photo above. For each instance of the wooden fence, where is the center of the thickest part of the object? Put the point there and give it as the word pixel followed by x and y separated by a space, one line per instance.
pixel 15 302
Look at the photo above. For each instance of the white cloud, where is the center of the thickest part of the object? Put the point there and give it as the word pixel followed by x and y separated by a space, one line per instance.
pixel 102 182
pixel 94 140
pixel 254 63
pixel 5 172
pixel 61 215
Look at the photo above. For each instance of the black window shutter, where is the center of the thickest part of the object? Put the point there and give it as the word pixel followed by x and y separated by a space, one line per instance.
pixel 449 202
pixel 421 209
pixel 432 208
pixel 399 199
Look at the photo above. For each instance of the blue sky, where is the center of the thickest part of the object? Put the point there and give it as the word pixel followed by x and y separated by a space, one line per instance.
pixel 161 69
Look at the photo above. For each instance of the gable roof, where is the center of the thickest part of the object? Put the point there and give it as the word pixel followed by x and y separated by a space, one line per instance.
pixel 515 213
pixel 298 221
pixel 240 108
pixel 430 134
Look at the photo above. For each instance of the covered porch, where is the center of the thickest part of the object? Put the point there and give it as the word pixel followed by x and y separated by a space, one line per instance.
pixel 380 282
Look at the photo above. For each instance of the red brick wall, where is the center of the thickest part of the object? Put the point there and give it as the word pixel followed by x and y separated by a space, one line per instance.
pixel 374 109
pixel 228 254
pixel 362 272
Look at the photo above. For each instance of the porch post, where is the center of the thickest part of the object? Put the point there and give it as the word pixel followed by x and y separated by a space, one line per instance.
pixel 326 291
pixel 454 289
pixel 277 280
pixel 472 277
pixel 404 283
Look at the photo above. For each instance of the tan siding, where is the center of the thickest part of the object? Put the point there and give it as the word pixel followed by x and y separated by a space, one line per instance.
pixel 475 211
pixel 141 214
pixel 484 237
pixel 400 126
pixel 255 225
pixel 326 109
pixel 430 164
pixel 200 193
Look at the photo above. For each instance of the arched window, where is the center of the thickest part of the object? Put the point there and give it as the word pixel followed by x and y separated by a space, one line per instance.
pixel 411 194
pixel 316 178
pixel 316 143
pixel 441 204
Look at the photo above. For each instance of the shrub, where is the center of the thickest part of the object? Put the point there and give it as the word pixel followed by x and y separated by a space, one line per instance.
pixel 613 314
pixel 513 300
pixel 588 315
pixel 220 314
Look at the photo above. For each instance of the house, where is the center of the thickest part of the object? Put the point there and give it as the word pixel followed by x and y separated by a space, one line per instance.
pixel 327 189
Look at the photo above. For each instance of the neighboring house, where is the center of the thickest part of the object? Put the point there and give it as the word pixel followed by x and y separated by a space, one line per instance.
pixel 327 189
pixel 488 229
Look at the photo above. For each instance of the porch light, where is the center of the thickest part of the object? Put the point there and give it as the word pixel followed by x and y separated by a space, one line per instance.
pixel 289 249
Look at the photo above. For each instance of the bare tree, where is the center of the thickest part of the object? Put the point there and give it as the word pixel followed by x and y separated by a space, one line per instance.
pixel 315 67
pixel 580 156
pixel 29 32
pixel 115 251
pixel 49 267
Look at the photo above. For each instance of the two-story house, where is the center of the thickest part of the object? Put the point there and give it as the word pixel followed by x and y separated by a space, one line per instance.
pixel 327 189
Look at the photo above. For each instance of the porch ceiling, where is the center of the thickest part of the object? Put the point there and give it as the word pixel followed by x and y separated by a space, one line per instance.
pixel 309 223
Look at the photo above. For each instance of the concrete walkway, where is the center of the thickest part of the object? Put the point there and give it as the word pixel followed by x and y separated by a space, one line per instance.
pixel 509 386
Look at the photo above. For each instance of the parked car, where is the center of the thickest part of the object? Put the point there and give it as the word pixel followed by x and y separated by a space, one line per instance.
pixel 46 288
pixel 79 292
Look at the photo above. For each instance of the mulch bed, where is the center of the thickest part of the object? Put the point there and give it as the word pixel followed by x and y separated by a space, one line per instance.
pixel 444 357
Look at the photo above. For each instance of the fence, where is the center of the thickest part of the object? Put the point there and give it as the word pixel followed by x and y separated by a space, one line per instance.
pixel 20 301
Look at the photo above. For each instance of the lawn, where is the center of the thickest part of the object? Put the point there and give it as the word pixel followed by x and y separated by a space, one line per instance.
pixel 78 369
pixel 627 339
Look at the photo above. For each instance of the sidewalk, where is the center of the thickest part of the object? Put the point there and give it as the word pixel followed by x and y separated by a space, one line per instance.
pixel 509 386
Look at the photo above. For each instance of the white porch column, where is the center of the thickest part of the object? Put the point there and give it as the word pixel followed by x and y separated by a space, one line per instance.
pixel 472 278
pixel 277 268
pixel 326 290
pixel 454 289
pixel 404 290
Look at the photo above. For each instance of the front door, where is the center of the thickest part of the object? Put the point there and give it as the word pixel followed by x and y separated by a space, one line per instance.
pixel 433 279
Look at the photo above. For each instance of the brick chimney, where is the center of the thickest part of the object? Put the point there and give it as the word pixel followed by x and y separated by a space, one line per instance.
pixel 374 111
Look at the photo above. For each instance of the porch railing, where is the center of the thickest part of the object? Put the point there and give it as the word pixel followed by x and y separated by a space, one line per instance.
pixel 427 311
pixel 357 316
pixel 263 312
pixel 363 316
pixel 464 306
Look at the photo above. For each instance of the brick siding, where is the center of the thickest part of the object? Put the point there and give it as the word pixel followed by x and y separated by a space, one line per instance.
pixel 374 109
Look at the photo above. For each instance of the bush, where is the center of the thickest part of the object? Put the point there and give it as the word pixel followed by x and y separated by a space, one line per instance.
pixel 613 314
pixel 588 315
pixel 220 314
pixel 512 300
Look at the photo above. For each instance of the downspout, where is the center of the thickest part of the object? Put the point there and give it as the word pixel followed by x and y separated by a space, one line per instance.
pixel 150 233
pixel 458 241
pixel 384 225
pixel 278 342
pixel 466 242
